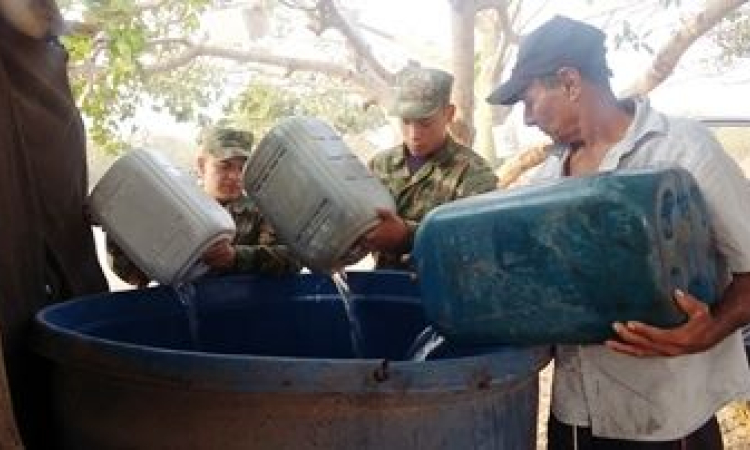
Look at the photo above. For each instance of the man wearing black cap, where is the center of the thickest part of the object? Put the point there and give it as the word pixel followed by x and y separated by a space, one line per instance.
pixel 651 388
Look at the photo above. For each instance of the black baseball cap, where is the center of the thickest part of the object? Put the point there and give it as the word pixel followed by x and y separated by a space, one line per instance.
pixel 559 42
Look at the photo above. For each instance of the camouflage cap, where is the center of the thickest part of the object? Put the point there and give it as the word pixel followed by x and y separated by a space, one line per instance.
pixel 420 92
pixel 226 142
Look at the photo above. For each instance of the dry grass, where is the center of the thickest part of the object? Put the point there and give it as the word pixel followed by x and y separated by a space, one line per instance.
pixel 735 425
pixel 734 418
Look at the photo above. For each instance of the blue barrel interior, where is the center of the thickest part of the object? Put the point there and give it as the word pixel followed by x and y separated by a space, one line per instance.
pixel 295 316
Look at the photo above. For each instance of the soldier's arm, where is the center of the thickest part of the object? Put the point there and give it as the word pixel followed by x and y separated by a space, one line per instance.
pixel 266 259
pixel 478 179
pixel 123 267
pixel 267 256
pixel 380 166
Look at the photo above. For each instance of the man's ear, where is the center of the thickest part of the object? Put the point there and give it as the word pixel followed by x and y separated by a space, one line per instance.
pixel 200 165
pixel 450 112
pixel 570 79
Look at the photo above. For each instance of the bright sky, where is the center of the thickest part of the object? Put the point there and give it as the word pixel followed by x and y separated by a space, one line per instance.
pixel 687 91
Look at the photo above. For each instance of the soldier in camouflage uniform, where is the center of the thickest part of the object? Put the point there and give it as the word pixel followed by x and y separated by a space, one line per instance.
pixel 222 156
pixel 428 169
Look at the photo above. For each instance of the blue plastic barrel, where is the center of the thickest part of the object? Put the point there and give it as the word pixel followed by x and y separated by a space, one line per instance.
pixel 560 262
pixel 267 363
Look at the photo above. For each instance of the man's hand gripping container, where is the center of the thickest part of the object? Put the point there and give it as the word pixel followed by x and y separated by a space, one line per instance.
pixel 560 262
pixel 319 197
pixel 159 216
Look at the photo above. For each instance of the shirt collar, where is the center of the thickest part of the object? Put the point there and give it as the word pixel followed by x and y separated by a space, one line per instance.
pixel 645 124
pixel 440 156
pixel 240 205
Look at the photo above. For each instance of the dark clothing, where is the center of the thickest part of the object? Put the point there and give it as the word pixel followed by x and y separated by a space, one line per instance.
pixel 561 437
pixel 414 163
pixel 47 251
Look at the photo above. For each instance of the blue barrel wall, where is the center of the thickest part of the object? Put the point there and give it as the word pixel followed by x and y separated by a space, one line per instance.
pixel 263 363
pixel 560 262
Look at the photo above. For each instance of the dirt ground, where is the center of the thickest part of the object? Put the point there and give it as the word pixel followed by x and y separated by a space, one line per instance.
pixel 734 418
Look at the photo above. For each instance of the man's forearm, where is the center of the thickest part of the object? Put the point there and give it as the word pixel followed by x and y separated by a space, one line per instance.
pixel 732 311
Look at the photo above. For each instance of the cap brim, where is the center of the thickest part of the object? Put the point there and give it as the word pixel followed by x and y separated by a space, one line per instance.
pixel 229 153
pixel 509 92
pixel 414 110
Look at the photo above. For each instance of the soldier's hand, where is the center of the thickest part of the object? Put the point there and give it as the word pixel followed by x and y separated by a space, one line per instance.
pixel 136 277
pixel 391 234
pixel 221 255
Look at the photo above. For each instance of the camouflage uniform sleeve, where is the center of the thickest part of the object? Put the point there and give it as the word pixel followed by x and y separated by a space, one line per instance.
pixel 123 267
pixel 384 165
pixel 267 256
pixel 265 259
pixel 478 179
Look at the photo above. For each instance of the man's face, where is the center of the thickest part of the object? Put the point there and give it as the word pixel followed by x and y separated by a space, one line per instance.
pixel 549 108
pixel 222 178
pixel 425 136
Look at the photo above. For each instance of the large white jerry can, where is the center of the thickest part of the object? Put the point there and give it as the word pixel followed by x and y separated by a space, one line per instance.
pixel 159 216
pixel 317 194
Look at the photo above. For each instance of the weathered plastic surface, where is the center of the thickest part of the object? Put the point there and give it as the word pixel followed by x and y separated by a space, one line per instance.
pixel 271 367
pixel 560 262
pixel 159 216
pixel 316 193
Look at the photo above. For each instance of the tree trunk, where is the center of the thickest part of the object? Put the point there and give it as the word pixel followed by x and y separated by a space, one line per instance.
pixel 462 21
pixel 488 38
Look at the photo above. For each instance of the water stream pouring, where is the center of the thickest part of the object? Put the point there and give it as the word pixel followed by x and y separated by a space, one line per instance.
pixel 427 342
pixel 186 296
pixel 355 329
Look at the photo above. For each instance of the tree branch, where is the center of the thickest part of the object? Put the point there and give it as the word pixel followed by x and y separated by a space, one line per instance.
pixel 514 168
pixel 150 5
pixel 293 5
pixel 509 37
pixel 179 41
pixel 264 57
pixel 76 27
pixel 89 66
pixel 331 17
pixel 480 5
pixel 669 55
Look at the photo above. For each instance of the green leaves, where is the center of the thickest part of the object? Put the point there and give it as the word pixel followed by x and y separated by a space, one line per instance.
pixel 110 84
pixel 733 36
pixel 262 104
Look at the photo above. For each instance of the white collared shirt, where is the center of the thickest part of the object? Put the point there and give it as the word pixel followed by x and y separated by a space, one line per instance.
pixel 659 399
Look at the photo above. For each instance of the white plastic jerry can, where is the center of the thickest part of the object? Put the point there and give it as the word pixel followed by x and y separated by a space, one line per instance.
pixel 159 216
pixel 319 197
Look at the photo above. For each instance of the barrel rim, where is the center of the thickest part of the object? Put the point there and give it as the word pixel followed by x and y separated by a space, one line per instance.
pixel 255 373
